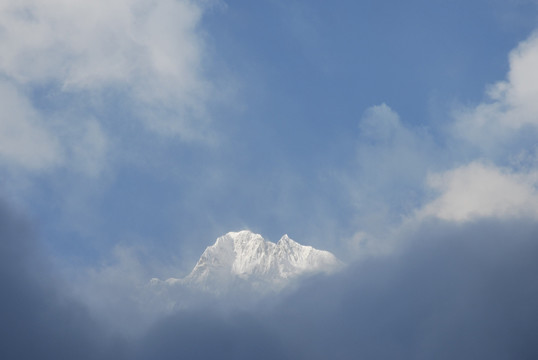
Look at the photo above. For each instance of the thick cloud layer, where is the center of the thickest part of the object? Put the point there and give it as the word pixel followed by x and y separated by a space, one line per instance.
pixel 450 291
pixel 466 292
pixel 38 319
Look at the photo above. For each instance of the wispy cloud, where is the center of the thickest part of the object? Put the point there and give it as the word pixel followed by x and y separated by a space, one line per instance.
pixel 146 55
pixel 392 160
pixel 483 164
pixel 25 140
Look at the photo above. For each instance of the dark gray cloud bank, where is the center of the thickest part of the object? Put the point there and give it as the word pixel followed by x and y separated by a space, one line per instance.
pixel 448 292
pixel 38 319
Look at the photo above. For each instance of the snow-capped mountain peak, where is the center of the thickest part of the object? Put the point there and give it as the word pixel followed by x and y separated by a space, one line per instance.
pixel 246 260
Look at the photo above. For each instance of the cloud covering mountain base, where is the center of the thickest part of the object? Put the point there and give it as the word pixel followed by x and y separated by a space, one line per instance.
pixel 450 291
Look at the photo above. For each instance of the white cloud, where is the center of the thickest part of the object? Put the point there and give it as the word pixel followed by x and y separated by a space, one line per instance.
pixel 124 281
pixel 499 134
pixel 512 105
pixel 391 161
pixel 504 130
pixel 86 44
pixel 119 291
pixel 149 51
pixel 24 141
pixel 478 190
pixel 388 152
pixel 32 141
pixel 380 124
pixel 386 184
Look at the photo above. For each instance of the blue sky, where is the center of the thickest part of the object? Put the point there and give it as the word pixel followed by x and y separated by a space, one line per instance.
pixel 134 132
pixel 238 115
pixel 279 90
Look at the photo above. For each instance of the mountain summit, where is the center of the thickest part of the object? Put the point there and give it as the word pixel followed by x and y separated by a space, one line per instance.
pixel 246 261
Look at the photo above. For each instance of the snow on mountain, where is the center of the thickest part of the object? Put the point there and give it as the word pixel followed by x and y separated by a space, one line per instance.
pixel 246 261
